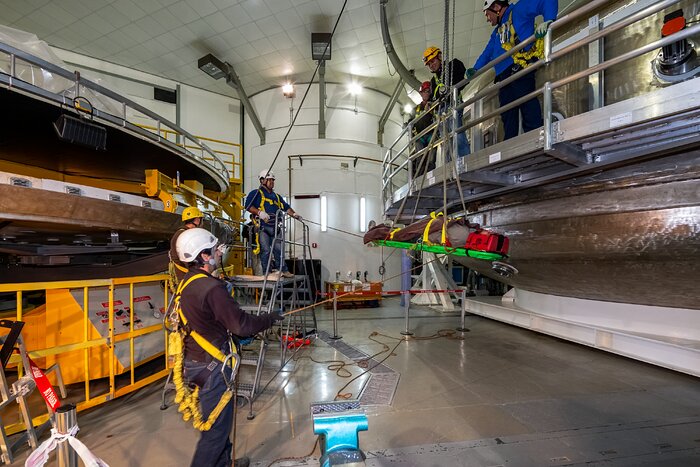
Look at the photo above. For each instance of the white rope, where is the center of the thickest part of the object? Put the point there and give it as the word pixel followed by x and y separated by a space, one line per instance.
pixel 41 455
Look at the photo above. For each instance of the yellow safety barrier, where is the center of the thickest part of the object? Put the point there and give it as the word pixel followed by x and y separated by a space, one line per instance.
pixel 91 316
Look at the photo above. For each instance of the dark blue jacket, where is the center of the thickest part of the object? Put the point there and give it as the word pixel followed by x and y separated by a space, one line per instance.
pixel 273 201
pixel 524 14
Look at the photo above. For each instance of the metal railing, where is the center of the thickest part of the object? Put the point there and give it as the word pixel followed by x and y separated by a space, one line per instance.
pixel 202 154
pixel 390 182
pixel 232 158
pixel 95 350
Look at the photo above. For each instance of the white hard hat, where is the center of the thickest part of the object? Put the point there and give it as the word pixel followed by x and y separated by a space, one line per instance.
pixel 488 3
pixel 267 174
pixel 192 242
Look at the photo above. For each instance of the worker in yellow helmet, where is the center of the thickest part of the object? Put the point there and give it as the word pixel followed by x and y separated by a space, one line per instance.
pixel 454 73
pixel 191 217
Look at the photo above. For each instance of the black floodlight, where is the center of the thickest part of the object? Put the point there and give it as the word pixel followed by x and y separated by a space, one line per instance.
pixel 212 66
pixel 321 45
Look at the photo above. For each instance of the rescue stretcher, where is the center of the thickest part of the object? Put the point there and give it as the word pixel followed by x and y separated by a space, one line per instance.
pixel 432 234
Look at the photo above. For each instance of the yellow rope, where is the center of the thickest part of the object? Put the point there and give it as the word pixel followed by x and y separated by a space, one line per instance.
pixel 188 399
pixel 524 57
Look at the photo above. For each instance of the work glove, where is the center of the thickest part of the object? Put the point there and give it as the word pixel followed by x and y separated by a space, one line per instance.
pixel 298 217
pixel 277 317
pixel 541 29
pixel 263 216
pixel 470 73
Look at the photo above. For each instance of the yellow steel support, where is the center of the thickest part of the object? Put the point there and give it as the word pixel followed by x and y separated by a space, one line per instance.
pixel 161 186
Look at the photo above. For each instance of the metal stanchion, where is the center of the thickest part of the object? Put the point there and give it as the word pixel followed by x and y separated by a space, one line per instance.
pixel 461 327
pixel 66 419
pixel 407 306
pixel 335 316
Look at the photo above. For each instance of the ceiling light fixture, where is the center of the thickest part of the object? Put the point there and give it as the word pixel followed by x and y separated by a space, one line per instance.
pixel 212 66
pixel 288 90
pixel 407 109
pixel 321 45
pixel 355 88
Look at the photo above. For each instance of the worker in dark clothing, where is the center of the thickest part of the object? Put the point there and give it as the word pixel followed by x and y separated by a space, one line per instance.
pixel 191 217
pixel 422 119
pixel 211 312
pixel 514 23
pixel 454 73
pixel 263 203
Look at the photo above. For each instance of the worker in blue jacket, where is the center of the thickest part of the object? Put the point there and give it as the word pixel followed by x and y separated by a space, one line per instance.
pixel 263 203
pixel 513 23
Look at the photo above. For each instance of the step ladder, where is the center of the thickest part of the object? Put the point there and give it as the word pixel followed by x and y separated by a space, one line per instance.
pixel 19 391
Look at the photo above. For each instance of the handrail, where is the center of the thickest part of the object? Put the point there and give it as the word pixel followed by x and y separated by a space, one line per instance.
pixel 235 157
pixel 684 34
pixel 76 78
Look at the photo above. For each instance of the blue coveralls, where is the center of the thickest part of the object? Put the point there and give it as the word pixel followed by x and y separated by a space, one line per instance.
pixel 273 202
pixel 523 16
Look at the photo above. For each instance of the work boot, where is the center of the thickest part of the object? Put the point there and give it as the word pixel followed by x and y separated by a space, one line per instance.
pixel 241 462
pixel 287 274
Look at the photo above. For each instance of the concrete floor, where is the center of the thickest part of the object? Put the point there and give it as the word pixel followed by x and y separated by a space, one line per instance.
pixel 500 396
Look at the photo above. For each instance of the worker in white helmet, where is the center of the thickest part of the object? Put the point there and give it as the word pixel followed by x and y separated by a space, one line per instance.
pixel 214 324
pixel 512 24
pixel 263 204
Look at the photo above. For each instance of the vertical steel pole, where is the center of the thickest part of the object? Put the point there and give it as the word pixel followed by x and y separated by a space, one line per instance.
pixel 461 327
pixel 548 137
pixel 335 316
pixel 407 307
pixel 66 419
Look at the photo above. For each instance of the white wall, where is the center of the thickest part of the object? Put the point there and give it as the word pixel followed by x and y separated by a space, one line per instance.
pixel 202 113
pixel 348 133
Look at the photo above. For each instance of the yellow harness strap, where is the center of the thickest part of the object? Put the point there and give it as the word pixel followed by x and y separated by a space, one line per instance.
pixel 509 39
pixel 199 339
pixel 256 250
pixel 391 234
pixel 181 268
pixel 263 200
pixel 426 232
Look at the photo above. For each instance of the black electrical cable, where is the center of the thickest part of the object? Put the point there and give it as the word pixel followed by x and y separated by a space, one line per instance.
pixel 340 15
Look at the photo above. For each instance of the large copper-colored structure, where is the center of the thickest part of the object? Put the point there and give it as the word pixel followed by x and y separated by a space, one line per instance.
pixel 603 202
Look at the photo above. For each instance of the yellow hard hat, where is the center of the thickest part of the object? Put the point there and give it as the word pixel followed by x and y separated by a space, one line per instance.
pixel 430 53
pixel 190 213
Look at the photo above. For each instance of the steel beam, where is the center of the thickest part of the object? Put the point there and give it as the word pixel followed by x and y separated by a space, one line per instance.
pixel 234 81
pixel 387 111
pixel 322 100
pixel 395 60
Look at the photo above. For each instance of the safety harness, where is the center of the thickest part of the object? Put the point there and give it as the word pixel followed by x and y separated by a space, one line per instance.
pixel 261 207
pixel 187 398
pixel 443 236
pixel 509 39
